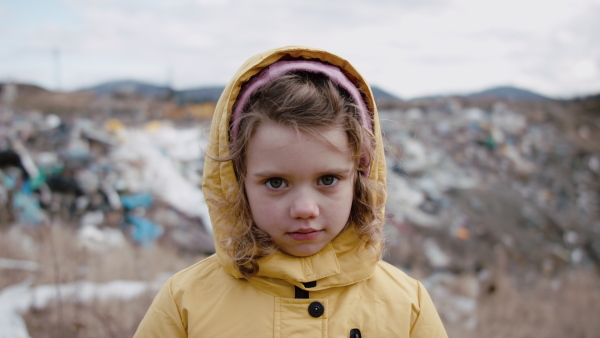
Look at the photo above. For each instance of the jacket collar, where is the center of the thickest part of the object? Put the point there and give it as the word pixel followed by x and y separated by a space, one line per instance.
pixel 344 261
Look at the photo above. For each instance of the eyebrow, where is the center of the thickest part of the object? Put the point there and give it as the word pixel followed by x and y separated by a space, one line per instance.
pixel 333 171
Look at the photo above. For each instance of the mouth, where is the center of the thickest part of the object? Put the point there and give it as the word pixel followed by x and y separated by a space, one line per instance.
pixel 304 234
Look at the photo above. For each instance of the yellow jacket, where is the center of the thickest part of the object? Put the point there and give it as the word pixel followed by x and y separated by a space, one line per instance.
pixel 353 289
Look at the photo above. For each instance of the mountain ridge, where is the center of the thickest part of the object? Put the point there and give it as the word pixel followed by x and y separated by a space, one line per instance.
pixel 211 93
pixel 502 92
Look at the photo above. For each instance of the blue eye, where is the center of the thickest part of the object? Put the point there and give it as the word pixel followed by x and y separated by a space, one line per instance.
pixel 328 180
pixel 275 183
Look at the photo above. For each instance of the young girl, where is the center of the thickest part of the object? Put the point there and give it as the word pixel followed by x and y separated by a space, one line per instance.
pixel 295 183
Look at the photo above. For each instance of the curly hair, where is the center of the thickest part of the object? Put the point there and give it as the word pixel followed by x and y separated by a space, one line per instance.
pixel 306 102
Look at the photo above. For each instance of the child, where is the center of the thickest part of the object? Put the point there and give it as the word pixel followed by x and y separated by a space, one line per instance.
pixel 295 183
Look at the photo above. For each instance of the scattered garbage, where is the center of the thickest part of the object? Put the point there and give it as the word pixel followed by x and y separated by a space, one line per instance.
pixel 464 178
pixel 89 172
pixel 140 200
pixel 144 231
pixel 27 208
pixel 468 177
pixel 455 297
pixel 100 239
pixel 437 258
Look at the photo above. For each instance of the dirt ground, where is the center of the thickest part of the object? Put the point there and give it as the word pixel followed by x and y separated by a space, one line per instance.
pixel 563 306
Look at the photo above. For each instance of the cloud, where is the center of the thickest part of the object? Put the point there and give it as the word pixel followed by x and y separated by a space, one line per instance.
pixel 408 47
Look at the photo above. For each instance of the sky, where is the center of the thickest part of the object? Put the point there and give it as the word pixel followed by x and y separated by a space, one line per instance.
pixel 409 48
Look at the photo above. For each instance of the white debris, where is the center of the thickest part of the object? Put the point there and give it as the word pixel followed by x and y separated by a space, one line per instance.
pixel 92 218
pixel 455 297
pixel 435 255
pixel 100 240
pixel 415 156
pixel 16 264
pixel 18 298
pixel 147 161
pixel 14 300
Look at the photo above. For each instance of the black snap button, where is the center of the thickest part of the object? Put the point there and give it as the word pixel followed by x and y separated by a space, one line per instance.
pixel 316 309
pixel 355 333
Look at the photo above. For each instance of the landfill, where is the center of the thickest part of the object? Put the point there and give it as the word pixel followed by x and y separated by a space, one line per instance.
pixel 475 188
pixel 474 177
pixel 102 176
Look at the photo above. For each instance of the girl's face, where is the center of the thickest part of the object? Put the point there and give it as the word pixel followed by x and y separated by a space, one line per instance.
pixel 299 186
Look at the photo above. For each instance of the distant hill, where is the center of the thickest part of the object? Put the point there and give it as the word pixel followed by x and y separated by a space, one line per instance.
pixel 382 95
pixel 212 93
pixel 24 88
pixel 200 94
pixel 130 87
pixel 508 93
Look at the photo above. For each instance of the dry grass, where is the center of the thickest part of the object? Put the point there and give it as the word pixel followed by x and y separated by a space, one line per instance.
pixel 64 260
pixel 562 306
pixel 116 318
pixel 529 305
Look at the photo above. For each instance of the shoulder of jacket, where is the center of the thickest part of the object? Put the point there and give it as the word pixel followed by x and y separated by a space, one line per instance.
pixel 203 271
pixel 425 321
pixel 395 272
pixel 391 275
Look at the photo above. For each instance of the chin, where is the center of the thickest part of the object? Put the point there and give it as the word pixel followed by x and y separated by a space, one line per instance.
pixel 303 252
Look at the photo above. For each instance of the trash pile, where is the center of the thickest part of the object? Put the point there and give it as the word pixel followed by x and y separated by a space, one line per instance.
pixel 492 176
pixel 113 183
pixel 466 181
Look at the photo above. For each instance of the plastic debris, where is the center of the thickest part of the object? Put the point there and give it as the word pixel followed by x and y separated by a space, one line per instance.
pixel 28 208
pixel 139 200
pixel 433 252
pixel 100 240
pixel 144 231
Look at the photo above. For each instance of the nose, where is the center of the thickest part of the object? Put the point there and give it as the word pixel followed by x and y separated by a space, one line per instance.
pixel 304 206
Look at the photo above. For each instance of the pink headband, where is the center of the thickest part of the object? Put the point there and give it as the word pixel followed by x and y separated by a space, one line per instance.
pixel 280 68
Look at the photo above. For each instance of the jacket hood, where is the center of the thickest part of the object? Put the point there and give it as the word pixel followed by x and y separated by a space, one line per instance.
pixel 345 260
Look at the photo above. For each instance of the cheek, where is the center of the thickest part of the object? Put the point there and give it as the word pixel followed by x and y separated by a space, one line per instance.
pixel 351 198
pixel 251 198
pixel 342 204
pixel 259 205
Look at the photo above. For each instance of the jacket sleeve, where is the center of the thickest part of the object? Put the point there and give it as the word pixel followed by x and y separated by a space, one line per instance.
pixel 163 318
pixel 428 323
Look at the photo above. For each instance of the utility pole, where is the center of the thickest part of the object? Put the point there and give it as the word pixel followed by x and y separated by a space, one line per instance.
pixel 56 54
pixel 169 84
pixel 169 76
